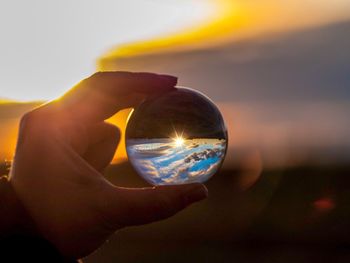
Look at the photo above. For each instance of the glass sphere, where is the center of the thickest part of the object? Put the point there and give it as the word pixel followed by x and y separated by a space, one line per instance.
pixel 176 137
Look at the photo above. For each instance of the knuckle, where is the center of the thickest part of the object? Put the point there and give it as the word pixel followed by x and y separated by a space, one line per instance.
pixel 33 121
pixel 97 74
pixel 28 120
pixel 92 81
pixel 96 77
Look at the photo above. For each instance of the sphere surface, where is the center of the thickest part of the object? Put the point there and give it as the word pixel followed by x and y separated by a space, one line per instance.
pixel 176 137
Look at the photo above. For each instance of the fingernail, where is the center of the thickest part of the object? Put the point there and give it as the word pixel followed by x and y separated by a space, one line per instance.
pixel 171 80
pixel 197 193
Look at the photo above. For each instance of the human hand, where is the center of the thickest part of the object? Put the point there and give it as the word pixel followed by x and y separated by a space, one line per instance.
pixel 62 150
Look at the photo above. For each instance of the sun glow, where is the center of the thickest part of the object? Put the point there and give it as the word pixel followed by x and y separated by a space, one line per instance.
pixel 179 141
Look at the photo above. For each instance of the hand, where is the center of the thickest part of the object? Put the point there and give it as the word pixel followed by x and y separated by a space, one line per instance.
pixel 62 150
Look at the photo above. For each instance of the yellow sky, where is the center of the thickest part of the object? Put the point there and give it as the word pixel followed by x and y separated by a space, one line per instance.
pixel 50 72
pixel 53 49
pixel 236 19
pixel 230 20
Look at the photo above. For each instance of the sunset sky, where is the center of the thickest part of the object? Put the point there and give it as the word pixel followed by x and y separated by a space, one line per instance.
pixel 277 70
pixel 47 46
pixel 273 67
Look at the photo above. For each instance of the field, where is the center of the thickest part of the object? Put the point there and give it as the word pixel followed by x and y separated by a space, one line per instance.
pixel 294 215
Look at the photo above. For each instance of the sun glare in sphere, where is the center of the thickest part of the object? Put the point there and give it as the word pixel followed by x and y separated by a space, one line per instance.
pixel 179 141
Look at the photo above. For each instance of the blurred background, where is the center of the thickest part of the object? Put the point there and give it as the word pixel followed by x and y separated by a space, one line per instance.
pixel 278 70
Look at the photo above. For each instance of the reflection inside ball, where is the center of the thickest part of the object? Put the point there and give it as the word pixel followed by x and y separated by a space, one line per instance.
pixel 179 141
pixel 176 137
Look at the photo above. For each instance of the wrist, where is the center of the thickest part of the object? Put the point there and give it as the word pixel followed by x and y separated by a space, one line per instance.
pixel 18 232
pixel 14 220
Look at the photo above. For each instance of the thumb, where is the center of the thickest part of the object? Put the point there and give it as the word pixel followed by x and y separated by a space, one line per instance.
pixel 136 206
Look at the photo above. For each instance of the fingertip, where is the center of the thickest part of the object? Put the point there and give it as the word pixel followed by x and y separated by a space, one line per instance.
pixel 170 80
pixel 196 193
pixel 154 83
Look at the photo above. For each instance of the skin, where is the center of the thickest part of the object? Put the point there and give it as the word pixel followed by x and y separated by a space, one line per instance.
pixel 62 150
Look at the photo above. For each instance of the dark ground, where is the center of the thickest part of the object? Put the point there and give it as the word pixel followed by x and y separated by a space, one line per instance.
pixel 293 215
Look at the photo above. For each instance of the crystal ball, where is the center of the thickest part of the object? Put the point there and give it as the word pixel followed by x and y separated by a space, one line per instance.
pixel 176 137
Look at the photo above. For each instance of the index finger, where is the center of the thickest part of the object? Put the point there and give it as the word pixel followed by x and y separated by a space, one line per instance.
pixel 104 93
